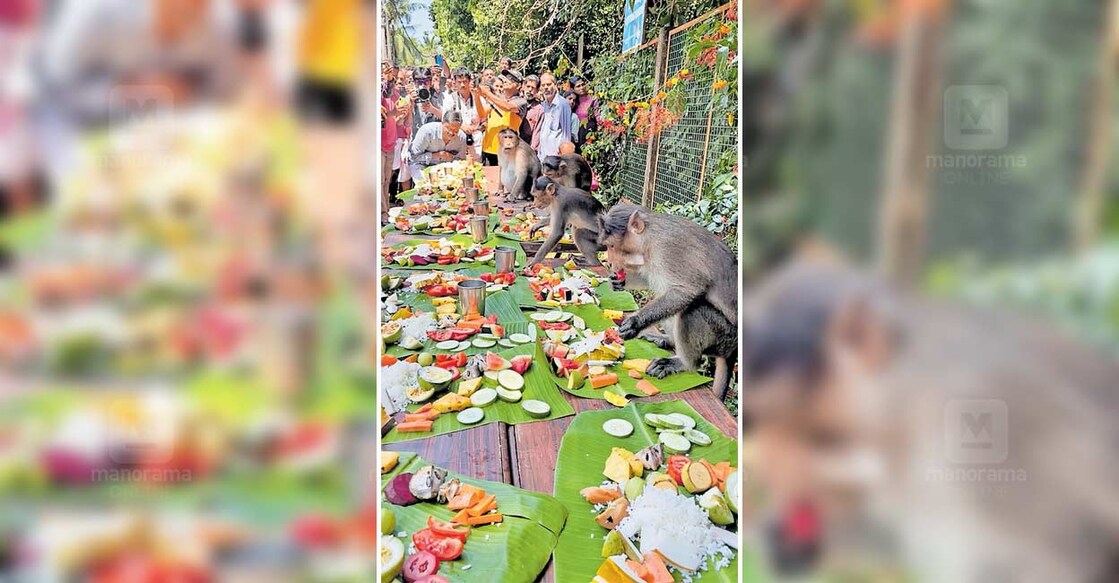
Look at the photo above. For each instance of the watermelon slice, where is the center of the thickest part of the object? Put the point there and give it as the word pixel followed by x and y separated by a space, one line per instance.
pixel 495 361
pixel 521 363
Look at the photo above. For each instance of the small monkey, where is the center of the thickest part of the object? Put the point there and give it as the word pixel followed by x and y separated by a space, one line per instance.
pixel 569 206
pixel 693 276
pixel 518 164
pixel 570 170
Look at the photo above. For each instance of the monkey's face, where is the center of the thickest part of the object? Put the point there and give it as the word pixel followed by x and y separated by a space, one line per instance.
pixel 625 251
pixel 508 140
pixel 549 171
pixel 542 197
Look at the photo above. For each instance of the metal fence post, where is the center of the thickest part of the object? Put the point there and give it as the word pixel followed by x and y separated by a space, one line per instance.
pixel 654 142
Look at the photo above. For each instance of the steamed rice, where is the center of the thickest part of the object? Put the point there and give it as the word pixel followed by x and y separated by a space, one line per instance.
pixel 395 379
pixel 664 513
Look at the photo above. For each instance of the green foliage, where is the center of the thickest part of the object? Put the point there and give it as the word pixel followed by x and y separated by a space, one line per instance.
pixel 716 210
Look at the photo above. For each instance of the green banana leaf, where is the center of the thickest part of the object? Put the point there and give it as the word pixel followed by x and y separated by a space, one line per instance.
pixel 608 299
pixel 499 303
pixel 582 456
pixel 492 241
pixel 538 386
pixel 635 348
pixel 516 550
pixel 391 228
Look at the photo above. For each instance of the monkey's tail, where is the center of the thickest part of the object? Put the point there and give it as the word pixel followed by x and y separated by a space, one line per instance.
pixel 723 369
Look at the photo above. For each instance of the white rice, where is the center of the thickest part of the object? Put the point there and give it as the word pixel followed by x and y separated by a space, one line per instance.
pixel 395 379
pixel 418 325
pixel 668 513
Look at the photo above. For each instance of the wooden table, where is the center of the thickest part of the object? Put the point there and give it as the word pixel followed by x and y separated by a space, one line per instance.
pixel 525 455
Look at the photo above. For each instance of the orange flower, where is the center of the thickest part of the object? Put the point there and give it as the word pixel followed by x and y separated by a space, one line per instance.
pixel 719 84
pixel 672 82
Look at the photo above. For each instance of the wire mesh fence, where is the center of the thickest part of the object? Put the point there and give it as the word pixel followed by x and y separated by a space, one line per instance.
pixel 687 152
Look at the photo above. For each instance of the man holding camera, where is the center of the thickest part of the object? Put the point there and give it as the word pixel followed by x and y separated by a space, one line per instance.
pixel 438 142
pixel 427 105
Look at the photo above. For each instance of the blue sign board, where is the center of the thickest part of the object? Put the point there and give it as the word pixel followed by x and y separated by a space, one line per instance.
pixel 634 26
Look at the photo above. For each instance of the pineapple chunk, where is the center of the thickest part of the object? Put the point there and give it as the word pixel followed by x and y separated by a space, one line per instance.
pixel 388 461
pixel 451 403
pixel 637 364
pixel 618 467
pixel 469 386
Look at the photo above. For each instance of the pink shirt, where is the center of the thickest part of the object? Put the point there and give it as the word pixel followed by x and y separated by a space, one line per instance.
pixel 388 124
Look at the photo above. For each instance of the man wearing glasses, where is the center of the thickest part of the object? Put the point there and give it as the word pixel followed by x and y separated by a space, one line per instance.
pixel 460 98
pixel 437 142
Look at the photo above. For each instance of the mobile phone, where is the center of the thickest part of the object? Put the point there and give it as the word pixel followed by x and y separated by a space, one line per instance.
pixel 439 60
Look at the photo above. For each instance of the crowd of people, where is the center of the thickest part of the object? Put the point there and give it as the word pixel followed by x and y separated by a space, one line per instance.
pixel 436 114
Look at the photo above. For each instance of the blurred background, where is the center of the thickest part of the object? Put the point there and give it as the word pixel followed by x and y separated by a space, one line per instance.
pixel 186 244
pixel 937 178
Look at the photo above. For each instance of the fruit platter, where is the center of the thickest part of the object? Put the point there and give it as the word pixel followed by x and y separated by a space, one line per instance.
pixel 516 226
pixel 563 286
pixel 444 253
pixel 445 180
pixel 653 495
pixel 438 526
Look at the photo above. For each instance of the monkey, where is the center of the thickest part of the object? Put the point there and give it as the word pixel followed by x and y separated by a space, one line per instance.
pixel 693 278
pixel 570 170
pixel 519 165
pixel 569 206
pixel 862 401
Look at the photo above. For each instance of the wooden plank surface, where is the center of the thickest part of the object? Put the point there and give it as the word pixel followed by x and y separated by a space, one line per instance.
pixel 479 452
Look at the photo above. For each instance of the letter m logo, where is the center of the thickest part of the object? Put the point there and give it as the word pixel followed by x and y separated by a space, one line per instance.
pixel 976 431
pixel 976 117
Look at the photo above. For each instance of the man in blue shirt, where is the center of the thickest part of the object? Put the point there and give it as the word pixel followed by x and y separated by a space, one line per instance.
pixel 555 124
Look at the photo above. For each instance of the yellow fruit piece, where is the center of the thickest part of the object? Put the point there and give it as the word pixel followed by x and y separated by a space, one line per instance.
pixel 402 313
pixel 469 386
pixel 450 403
pixel 445 309
pixel 612 314
pixel 616 399
pixel 614 570
pixel 388 461
pixel 617 465
pixel 442 301
pixel 637 364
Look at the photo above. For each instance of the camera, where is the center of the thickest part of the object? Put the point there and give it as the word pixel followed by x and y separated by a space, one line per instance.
pixel 423 94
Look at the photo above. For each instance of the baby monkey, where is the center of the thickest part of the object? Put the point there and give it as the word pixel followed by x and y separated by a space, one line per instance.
pixel 568 207
pixel 570 170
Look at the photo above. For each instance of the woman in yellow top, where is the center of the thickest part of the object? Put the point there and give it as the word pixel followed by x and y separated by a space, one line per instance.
pixel 507 110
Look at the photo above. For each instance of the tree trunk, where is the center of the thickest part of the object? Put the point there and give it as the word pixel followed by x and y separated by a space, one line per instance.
pixel 913 119
pixel 1093 180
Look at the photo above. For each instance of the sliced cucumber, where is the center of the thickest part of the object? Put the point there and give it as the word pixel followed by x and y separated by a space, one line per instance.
pixel 578 323
pixel 509 396
pixel 565 316
pixel 511 380
pixel 540 316
pixel 470 416
pixel 670 422
pixel 486 336
pixel 674 442
pixel 618 427
pixel 653 420
pixel 554 316
pixel 447 345
pixel 483 397
pixel 463 345
pixel 685 421
pixel 483 343
pixel 538 409
pixel 520 338
pixel 697 437
pixel 507 343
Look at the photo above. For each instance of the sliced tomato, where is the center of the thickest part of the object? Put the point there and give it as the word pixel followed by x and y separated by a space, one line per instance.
pixel 420 565
pixel 445 548
pixel 447 529
pixel 611 336
pixel 486 277
pixel 436 291
pixel 434 579
pixel 555 325
pixel 439 335
pixel 676 464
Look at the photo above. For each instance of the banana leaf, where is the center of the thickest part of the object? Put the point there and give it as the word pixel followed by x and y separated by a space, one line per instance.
pixel 500 304
pixel 635 348
pixel 515 550
pixel 466 240
pixel 391 228
pixel 608 299
pixel 538 385
pixel 582 456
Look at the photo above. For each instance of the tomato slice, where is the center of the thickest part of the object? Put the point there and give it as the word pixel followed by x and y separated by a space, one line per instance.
pixel 447 529
pixel 434 579
pixel 676 464
pixel 445 548
pixel 439 335
pixel 436 290
pixel 420 565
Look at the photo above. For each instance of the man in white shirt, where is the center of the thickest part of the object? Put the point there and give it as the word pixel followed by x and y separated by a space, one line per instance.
pixel 555 124
pixel 437 142
pixel 460 98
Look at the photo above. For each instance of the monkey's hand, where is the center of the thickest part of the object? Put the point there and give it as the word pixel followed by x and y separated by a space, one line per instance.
pixel 662 367
pixel 629 328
